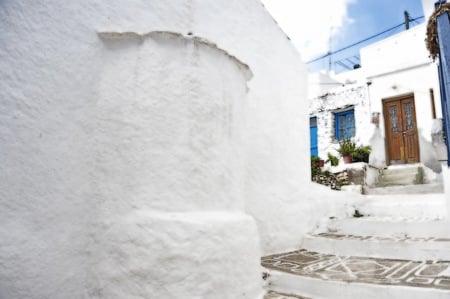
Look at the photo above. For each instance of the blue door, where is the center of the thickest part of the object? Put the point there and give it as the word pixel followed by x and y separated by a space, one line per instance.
pixel 313 136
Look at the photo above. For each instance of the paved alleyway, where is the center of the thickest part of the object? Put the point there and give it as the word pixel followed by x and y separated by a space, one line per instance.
pixel 424 274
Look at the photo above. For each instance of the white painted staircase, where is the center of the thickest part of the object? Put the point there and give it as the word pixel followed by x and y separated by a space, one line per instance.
pixel 400 176
pixel 399 248
pixel 403 179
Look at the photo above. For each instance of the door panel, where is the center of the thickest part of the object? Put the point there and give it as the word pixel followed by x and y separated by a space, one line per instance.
pixel 401 130
pixel 394 132
pixel 313 136
pixel 410 131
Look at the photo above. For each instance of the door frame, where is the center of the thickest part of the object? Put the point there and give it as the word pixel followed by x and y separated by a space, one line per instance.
pixel 386 115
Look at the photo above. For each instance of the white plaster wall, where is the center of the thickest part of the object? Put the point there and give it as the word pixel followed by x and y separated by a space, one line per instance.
pixel 168 172
pixel 400 65
pixel 428 8
pixel 400 51
pixel 339 99
pixel 403 71
pixel 50 63
pixel 276 134
pixel 417 81
pixel 446 180
pixel 69 154
pixel 179 126
pixel 319 83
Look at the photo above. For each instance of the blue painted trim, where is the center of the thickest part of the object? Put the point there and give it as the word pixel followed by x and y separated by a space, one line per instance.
pixel 313 141
pixel 443 29
pixel 349 124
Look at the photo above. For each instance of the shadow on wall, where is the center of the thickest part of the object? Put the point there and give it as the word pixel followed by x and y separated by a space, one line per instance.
pixel 377 157
pixel 428 154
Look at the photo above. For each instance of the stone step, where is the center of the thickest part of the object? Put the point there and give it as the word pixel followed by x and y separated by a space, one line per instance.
pixel 409 189
pixel 401 175
pixel 318 275
pixel 390 226
pixel 392 247
pixel 432 205
pixel 399 179
pixel 403 170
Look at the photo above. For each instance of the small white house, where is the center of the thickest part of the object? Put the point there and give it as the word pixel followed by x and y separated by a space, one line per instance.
pixel 392 100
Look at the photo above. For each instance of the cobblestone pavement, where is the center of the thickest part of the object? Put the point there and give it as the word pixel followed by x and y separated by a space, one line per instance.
pixel 425 274
pixel 275 295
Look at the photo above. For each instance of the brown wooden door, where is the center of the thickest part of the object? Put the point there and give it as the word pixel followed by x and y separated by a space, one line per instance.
pixel 401 130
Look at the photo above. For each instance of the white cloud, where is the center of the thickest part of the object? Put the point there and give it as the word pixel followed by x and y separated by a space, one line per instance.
pixel 309 23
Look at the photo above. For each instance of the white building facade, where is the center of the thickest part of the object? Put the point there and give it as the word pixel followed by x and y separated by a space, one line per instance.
pixel 391 103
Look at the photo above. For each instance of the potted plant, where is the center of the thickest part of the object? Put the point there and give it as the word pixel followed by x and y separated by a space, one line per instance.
pixel 315 169
pixel 362 153
pixel 333 159
pixel 346 149
pixel 317 161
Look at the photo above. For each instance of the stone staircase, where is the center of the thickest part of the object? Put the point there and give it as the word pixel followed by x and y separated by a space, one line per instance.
pixel 400 176
pixel 397 247
pixel 402 179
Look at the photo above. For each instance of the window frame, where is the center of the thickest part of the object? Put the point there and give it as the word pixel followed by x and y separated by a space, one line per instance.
pixel 349 130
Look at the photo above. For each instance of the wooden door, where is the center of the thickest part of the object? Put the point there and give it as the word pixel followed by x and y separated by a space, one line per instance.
pixel 401 130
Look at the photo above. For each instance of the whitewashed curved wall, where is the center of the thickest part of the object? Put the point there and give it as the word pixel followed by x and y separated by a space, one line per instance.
pixel 168 172
pixel 73 159
pixel 169 123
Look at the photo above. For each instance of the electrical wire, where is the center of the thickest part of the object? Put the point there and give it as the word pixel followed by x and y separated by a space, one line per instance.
pixel 361 41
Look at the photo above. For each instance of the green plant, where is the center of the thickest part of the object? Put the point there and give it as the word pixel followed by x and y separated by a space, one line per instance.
pixel 315 169
pixel 333 159
pixel 361 153
pixel 346 147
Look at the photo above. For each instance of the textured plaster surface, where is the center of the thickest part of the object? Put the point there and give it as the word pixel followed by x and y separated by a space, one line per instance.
pixel 191 256
pixel 168 141
pixel 95 128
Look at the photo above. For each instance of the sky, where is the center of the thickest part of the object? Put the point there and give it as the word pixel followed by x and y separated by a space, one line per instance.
pixel 318 26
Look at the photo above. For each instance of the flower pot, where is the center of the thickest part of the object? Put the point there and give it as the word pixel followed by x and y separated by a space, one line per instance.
pixel 347 159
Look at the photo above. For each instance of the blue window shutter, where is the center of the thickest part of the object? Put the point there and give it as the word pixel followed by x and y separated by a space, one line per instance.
pixel 345 124
pixel 314 149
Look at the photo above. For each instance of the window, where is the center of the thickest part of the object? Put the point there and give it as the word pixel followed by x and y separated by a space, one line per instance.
pixel 344 124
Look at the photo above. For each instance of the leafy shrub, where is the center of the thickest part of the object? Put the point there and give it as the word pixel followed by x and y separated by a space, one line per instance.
pixel 333 159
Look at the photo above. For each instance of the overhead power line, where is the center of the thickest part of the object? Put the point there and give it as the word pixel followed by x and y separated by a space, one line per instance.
pixel 361 41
